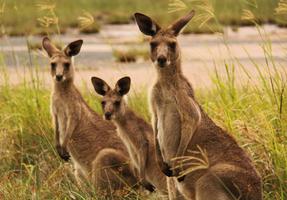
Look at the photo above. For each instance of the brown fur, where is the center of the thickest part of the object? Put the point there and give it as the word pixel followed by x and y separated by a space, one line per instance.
pixel 97 153
pixel 134 131
pixel 182 127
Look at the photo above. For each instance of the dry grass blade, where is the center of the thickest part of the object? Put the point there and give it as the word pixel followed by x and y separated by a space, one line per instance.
pixel 192 163
pixel 248 15
pixel 46 6
pixel 48 21
pixel 86 20
pixel 50 17
pixel 282 8
pixel 205 11
pixel 176 5
pixel 203 18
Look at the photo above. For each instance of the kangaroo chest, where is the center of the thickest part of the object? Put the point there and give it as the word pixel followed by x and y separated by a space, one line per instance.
pixel 60 109
pixel 168 123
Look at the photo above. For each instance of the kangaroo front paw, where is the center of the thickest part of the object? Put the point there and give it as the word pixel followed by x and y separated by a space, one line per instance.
pixel 180 179
pixel 148 186
pixel 63 153
pixel 167 170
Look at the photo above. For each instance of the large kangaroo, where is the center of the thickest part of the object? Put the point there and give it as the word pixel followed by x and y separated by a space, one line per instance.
pixel 184 132
pixel 97 153
pixel 134 131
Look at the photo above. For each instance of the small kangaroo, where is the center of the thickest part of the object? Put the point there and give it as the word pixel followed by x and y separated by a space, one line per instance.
pixel 182 128
pixel 98 155
pixel 134 131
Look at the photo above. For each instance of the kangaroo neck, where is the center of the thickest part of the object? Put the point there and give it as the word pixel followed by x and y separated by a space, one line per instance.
pixel 61 87
pixel 124 117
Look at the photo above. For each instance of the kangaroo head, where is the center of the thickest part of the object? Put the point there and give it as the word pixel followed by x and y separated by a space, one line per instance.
pixel 61 60
pixel 113 104
pixel 163 44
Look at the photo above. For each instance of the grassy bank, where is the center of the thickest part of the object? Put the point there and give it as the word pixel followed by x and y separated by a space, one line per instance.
pixel 254 112
pixel 46 16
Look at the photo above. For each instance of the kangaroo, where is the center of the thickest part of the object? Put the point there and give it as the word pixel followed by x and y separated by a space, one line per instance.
pixel 183 130
pixel 134 131
pixel 97 154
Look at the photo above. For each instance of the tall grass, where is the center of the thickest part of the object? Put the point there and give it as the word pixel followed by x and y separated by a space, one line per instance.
pixel 255 112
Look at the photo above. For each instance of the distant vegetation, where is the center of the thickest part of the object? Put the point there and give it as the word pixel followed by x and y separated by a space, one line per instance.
pixel 130 55
pixel 23 17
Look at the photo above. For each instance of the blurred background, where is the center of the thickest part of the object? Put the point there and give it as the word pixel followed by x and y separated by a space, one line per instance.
pixel 112 40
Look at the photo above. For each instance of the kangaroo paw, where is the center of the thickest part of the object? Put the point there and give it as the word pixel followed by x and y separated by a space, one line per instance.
pixel 63 153
pixel 167 170
pixel 180 179
pixel 148 186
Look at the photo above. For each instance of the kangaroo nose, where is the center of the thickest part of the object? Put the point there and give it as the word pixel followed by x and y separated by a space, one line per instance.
pixel 161 60
pixel 59 77
pixel 108 115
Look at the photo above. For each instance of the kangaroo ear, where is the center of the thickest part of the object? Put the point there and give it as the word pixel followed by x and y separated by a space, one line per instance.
pixel 49 47
pixel 101 87
pixel 123 85
pixel 146 25
pixel 73 48
pixel 179 24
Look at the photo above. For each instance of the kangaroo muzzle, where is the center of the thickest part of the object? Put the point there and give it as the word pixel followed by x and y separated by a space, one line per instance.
pixel 162 55
pixel 108 115
pixel 59 78
pixel 161 61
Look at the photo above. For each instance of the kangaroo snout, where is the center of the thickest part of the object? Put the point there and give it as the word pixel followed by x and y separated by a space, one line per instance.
pixel 108 115
pixel 59 77
pixel 161 60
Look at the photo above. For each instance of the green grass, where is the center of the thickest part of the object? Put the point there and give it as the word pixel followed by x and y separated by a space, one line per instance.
pixel 254 112
pixel 21 17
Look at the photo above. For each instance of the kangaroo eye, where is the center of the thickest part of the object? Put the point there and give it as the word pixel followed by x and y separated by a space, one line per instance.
pixel 117 103
pixel 66 66
pixel 172 45
pixel 153 45
pixel 103 103
pixel 53 65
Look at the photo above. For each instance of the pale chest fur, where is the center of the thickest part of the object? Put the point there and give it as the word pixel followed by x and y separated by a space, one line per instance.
pixel 168 121
pixel 62 110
